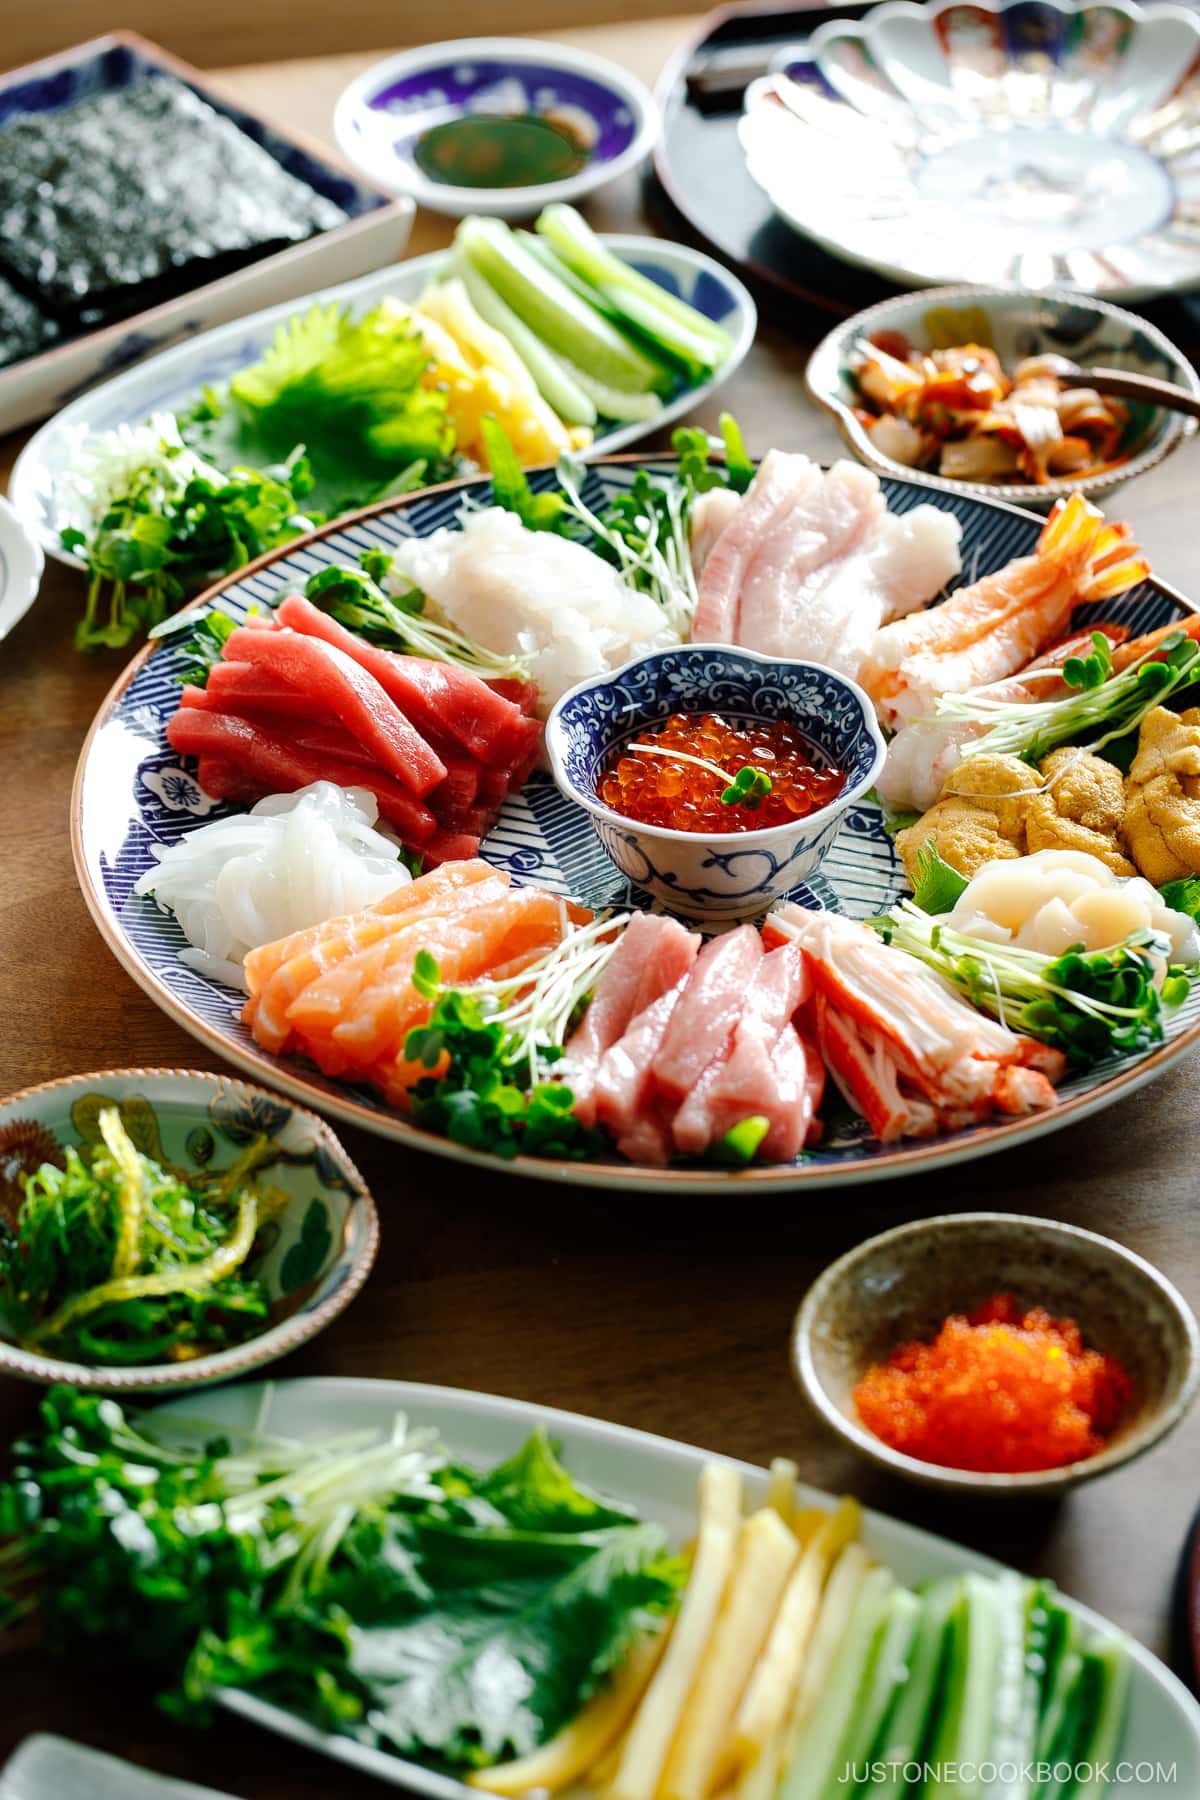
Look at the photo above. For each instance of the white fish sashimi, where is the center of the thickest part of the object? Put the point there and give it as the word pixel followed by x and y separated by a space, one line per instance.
pixel 292 861
pixel 810 564
pixel 533 594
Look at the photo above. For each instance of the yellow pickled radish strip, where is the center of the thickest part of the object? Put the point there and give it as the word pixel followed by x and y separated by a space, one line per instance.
pixel 767 1552
pixel 781 1489
pixel 653 1731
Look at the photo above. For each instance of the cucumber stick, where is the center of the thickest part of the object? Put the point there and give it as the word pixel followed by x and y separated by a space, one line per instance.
pixel 1109 1670
pixel 1060 1689
pixel 1022 1624
pixel 903 1738
pixel 554 384
pixel 888 1675
pixel 556 314
pixel 579 247
pixel 964 1733
pixel 817 1758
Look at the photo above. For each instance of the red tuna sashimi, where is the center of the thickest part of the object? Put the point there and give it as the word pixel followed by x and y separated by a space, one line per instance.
pixel 622 1081
pixel 449 847
pixel 439 696
pixel 246 763
pixel 745 1082
pixel 702 1024
pixel 233 685
pixel 653 955
pixel 522 693
pixel 340 684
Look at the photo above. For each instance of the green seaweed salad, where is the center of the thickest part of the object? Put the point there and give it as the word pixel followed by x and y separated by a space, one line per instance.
pixel 116 1260
pixel 367 1581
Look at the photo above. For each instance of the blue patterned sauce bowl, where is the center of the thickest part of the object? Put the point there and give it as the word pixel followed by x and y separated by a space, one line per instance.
pixel 382 115
pixel 729 875
pixel 312 1257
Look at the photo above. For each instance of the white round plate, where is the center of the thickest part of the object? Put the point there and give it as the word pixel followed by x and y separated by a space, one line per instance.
pixel 21 567
pixel 382 114
pixel 132 791
pixel 1046 144
pixel 174 379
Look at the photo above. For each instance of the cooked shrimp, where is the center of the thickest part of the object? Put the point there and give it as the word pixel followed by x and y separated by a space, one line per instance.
pixel 994 627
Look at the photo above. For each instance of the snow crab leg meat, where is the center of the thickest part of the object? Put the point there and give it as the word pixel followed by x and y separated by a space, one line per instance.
pixel 909 1054
pixel 997 625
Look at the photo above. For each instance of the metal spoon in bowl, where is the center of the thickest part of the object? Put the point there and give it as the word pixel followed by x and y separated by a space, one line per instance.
pixel 1117 382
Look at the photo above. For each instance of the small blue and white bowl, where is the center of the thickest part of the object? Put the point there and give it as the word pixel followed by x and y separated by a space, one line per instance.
pixel 382 114
pixel 729 875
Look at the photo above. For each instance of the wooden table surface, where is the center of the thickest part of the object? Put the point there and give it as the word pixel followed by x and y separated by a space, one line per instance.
pixel 671 1317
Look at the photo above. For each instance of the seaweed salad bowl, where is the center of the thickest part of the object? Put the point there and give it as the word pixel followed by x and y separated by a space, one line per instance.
pixel 312 1257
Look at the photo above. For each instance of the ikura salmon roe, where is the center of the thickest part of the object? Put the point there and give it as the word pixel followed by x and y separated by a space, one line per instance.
pixel 999 1391
pixel 659 788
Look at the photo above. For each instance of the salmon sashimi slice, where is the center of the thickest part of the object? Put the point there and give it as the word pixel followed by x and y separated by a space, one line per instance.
pixel 377 1022
pixel 653 955
pixel 997 625
pixel 337 682
pixel 703 1023
pixel 745 1083
pixel 261 964
pixel 327 1001
pixel 780 482
pixel 439 696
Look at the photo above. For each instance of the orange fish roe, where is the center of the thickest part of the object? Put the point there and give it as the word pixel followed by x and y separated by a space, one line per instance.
pixel 661 790
pixel 998 1391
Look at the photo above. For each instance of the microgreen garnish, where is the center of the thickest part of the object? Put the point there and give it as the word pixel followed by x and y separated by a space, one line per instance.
pixel 1089 671
pixel 749 787
pixel 1105 708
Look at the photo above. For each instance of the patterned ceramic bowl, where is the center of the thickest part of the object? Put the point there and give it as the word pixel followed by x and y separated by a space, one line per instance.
pixel 900 1286
pixel 383 113
pixel 734 875
pixel 1016 324
pixel 312 1259
pixel 1048 144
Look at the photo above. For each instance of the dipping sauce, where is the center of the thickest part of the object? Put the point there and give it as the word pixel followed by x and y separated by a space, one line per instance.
pixel 487 151
pixel 999 1391
pixel 660 789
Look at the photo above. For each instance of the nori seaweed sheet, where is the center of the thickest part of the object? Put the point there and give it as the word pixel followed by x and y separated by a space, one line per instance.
pixel 137 194
pixel 24 329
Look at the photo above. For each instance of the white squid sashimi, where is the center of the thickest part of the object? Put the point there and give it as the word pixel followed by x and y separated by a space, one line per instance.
pixel 292 861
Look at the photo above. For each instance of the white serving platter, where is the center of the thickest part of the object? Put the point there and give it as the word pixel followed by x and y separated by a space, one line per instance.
pixel 1161 1745
pixel 175 378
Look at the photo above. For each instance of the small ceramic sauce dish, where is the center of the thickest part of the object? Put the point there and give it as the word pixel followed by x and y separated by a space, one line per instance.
pixel 728 875
pixel 900 1287
pixel 501 126
pixel 311 1257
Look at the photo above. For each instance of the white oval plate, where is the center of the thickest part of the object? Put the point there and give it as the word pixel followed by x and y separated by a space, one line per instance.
pixel 175 378
pixel 132 791
pixel 658 1476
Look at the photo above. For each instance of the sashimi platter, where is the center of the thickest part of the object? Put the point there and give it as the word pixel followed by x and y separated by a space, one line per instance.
pixel 670 821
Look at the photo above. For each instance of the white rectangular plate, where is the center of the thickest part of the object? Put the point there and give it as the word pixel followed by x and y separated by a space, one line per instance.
pixel 659 1478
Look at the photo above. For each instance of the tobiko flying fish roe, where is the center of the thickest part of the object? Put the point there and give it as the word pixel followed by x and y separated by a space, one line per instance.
pixel 998 1391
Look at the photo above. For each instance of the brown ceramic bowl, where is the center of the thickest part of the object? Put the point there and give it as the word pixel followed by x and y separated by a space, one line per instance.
pixel 902 1284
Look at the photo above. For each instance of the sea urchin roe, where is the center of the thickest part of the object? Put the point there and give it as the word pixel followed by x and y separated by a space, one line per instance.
pixel 661 789
pixel 999 1391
